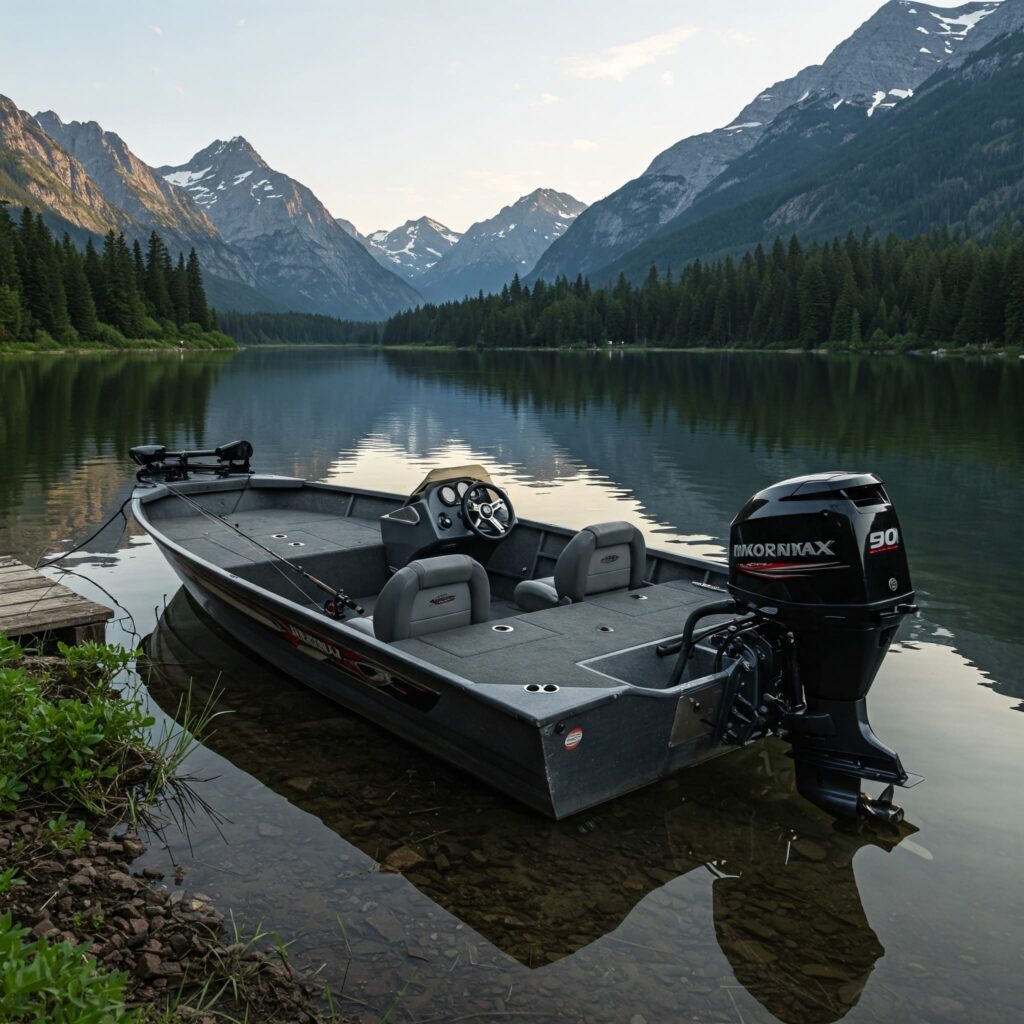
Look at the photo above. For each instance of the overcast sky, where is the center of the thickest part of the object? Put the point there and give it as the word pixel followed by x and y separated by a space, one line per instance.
pixel 391 111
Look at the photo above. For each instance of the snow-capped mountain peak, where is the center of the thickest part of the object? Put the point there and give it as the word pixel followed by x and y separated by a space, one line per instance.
pixel 412 248
pixel 492 251
pixel 306 255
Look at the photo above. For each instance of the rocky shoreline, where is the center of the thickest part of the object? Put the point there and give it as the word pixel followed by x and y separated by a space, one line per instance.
pixel 173 947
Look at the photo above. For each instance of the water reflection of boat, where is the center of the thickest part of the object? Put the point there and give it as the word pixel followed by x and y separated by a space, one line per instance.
pixel 787 910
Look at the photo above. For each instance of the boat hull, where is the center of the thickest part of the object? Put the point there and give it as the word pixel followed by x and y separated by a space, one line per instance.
pixel 572 750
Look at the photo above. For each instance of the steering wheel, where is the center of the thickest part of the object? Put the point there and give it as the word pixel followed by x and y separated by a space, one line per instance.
pixel 487 511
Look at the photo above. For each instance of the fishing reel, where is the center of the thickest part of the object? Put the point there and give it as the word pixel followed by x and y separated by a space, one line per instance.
pixel 334 607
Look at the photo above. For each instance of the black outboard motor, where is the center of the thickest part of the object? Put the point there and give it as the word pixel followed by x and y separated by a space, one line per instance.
pixel 823 556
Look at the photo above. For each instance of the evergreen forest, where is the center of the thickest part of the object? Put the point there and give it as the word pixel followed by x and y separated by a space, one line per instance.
pixel 860 292
pixel 54 296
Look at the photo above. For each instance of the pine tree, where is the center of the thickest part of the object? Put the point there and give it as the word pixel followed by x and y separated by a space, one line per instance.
pixel 155 284
pixel 179 292
pixel 1015 299
pixel 936 327
pixel 813 305
pixel 198 313
pixel 846 306
pixel 80 303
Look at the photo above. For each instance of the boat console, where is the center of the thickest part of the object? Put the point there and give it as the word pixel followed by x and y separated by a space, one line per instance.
pixel 452 510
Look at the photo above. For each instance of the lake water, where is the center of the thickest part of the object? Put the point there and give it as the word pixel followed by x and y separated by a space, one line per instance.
pixel 718 895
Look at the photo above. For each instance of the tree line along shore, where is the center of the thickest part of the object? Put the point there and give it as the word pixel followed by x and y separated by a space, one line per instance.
pixel 55 296
pixel 858 293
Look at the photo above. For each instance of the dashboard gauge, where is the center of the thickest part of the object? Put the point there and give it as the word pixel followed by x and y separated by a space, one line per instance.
pixel 462 487
pixel 448 495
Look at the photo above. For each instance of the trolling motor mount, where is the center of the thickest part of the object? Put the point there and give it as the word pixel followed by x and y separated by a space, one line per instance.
pixel 823 556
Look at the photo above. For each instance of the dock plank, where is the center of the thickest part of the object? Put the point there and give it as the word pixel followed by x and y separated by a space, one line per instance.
pixel 31 603
pixel 12 586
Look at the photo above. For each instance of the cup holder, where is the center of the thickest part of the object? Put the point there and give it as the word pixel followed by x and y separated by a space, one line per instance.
pixel 605 629
pixel 538 688
pixel 279 536
pixel 502 628
pixel 638 597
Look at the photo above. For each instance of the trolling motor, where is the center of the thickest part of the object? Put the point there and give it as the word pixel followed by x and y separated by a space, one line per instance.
pixel 818 577
pixel 155 460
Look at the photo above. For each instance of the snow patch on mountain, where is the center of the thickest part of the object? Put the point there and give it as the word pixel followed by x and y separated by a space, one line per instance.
pixel 184 178
pixel 412 248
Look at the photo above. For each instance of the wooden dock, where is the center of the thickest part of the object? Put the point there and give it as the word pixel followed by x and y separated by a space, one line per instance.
pixel 34 607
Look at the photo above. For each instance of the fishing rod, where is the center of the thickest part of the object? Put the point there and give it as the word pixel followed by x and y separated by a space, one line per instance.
pixel 332 608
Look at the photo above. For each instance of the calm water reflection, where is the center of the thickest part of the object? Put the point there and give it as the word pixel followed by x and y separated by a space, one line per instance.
pixel 715 896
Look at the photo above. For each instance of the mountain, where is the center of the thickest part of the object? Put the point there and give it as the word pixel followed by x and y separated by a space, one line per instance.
pixel 492 251
pixel 151 203
pixel 348 227
pixel 299 255
pixel 950 156
pixel 413 248
pixel 879 66
pixel 36 171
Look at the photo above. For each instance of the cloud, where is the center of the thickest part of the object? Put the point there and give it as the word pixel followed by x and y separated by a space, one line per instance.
pixel 241 23
pixel 546 99
pixel 156 30
pixel 732 35
pixel 583 145
pixel 618 62
pixel 455 66
pixel 180 90
pixel 667 79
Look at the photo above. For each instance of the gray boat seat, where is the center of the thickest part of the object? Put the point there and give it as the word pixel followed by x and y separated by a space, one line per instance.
pixel 602 557
pixel 428 596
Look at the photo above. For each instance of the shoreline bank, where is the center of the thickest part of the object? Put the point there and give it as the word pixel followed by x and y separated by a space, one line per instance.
pixel 126 943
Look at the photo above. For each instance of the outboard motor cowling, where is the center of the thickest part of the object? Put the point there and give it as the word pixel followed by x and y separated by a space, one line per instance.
pixel 823 555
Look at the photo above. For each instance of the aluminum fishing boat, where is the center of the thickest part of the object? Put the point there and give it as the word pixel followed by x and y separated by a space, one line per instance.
pixel 562 667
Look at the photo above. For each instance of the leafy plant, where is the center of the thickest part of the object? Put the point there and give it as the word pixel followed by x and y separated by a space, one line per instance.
pixel 9 650
pixel 9 879
pixel 95 661
pixel 64 836
pixel 53 983
pixel 73 739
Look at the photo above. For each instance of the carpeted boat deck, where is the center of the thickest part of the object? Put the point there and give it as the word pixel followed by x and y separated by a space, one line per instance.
pixel 540 647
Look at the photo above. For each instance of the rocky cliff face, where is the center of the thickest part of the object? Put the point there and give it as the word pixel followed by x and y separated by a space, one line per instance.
pixel 413 248
pixel 38 172
pixel 491 252
pixel 151 203
pixel 300 256
pixel 882 63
